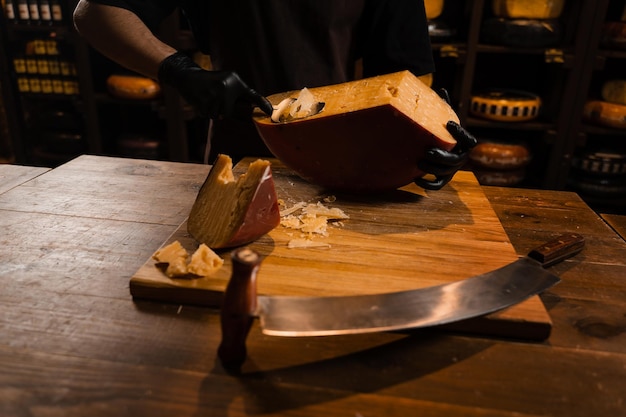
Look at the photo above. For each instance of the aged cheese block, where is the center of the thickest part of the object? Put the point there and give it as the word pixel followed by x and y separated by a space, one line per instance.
pixel 500 155
pixel 133 87
pixel 605 113
pixel 614 91
pixel 528 9
pixel 433 8
pixel 231 211
pixel 505 105
pixel 369 136
pixel 529 33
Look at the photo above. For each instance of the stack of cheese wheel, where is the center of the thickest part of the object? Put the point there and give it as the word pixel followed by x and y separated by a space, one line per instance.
pixel 500 163
pixel 611 110
pixel 505 105
pixel 525 23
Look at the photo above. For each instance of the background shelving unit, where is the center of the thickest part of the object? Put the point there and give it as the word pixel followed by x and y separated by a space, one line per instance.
pixel 564 75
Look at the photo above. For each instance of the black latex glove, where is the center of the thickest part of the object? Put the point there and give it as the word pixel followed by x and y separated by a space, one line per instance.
pixel 213 94
pixel 444 164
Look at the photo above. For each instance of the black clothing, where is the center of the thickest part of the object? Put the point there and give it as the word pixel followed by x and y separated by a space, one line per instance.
pixel 283 45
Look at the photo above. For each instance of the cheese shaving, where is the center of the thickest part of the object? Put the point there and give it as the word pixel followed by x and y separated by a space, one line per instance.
pixel 311 219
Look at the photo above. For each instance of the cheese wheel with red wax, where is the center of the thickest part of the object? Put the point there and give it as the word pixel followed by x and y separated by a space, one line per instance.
pixel 366 135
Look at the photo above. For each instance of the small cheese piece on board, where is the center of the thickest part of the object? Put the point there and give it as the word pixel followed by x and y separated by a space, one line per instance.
pixel 132 87
pixel 175 256
pixel 204 262
pixel 614 91
pixel 231 211
pixel 528 9
pixel 369 137
pixel 605 113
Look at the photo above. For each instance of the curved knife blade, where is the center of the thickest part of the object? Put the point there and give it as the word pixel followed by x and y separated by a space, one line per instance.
pixel 432 306
pixel 317 316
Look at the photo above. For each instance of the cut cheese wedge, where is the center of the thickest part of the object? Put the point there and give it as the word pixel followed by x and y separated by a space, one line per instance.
pixel 231 211
pixel 370 136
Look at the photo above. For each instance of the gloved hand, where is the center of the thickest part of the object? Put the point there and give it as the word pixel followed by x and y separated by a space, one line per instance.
pixel 444 164
pixel 213 94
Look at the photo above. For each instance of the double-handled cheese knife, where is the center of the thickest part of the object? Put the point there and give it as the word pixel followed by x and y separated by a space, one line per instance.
pixel 424 307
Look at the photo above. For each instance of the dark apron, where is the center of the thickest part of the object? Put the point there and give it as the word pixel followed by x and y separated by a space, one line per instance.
pixel 283 45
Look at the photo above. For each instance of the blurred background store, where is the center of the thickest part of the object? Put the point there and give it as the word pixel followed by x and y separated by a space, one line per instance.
pixel 541 83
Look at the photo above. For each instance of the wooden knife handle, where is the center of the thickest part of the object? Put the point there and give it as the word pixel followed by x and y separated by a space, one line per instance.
pixel 558 249
pixel 238 308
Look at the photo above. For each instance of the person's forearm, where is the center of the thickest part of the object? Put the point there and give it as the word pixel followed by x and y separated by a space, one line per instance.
pixel 121 36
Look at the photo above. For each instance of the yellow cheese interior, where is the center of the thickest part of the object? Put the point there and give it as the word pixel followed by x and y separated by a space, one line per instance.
pixel 401 90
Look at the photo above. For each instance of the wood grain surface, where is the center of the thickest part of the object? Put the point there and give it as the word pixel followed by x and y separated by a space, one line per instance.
pixel 13 175
pixel 398 241
pixel 617 222
pixel 73 342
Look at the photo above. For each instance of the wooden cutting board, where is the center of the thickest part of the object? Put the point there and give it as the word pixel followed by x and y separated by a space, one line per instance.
pixel 406 239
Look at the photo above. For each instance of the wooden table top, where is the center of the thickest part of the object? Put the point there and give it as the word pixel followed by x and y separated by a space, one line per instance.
pixel 74 343
pixel 617 222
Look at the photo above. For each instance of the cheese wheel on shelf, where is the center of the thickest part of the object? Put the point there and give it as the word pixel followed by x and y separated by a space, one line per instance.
pixel 526 33
pixel 427 79
pixel 602 162
pixel 233 211
pixel 505 105
pixel 528 9
pixel 500 155
pixel 434 8
pixel 614 35
pixel 614 91
pixel 499 178
pixel 598 186
pixel 133 87
pixel 605 113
